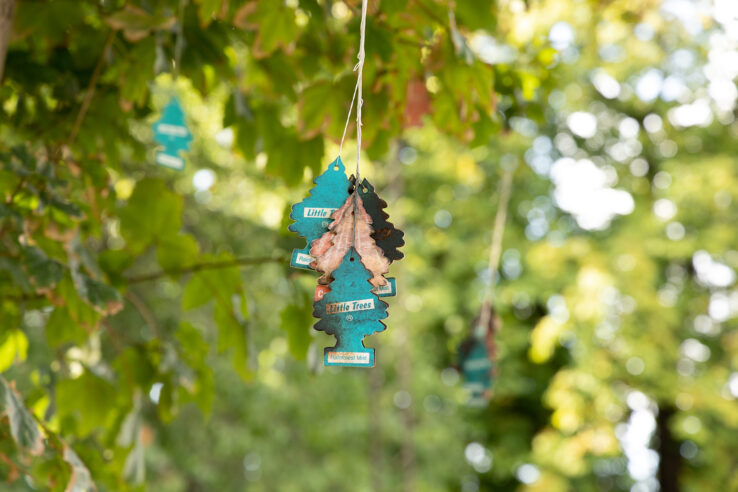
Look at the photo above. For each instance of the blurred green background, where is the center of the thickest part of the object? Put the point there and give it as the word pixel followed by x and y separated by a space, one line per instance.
pixel 153 336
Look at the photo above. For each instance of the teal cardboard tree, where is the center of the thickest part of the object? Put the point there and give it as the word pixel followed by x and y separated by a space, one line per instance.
pixel 171 131
pixel 350 312
pixel 477 359
pixel 477 369
pixel 313 215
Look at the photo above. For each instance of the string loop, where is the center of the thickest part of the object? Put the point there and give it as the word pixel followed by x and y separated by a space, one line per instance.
pixel 359 68
pixel 495 251
pixel 179 41
pixel 360 101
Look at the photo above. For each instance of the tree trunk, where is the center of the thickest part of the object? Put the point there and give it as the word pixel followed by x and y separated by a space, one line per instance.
pixel 670 461
pixel 6 24
pixel 404 364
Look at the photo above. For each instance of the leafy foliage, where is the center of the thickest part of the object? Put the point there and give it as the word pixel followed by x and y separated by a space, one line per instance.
pixel 149 325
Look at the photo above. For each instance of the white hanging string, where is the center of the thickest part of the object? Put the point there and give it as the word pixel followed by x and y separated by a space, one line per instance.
pixel 360 101
pixel 348 118
pixel 179 42
pixel 359 67
pixel 495 251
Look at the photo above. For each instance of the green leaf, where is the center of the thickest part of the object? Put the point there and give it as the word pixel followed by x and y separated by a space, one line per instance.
pixel 78 308
pixel 86 401
pixel 23 426
pixel 20 279
pixel 7 212
pixel 289 159
pixel 208 10
pixel 296 320
pixel 51 22
pixel 67 208
pixel 136 23
pixel 134 469
pixel 152 213
pixel 230 319
pixel 43 271
pixel 135 74
pixel 62 329
pixel 114 262
pixel 315 106
pixel 13 347
pixel 103 297
pixel 136 367
pixel 193 351
pixel 277 27
pixel 205 285
pixel 178 251
pixel 476 14
pixel 81 478
pixel 246 138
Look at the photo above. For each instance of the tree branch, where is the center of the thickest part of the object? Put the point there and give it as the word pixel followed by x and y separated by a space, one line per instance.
pixel 144 311
pixel 208 265
pixel 6 26
pixel 90 89
pixel 430 13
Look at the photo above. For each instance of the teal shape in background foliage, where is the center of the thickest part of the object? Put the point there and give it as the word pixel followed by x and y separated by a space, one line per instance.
pixel 350 312
pixel 171 131
pixel 313 215
pixel 476 368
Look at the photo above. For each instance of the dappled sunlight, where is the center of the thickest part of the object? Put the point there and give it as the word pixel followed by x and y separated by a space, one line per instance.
pixel 569 165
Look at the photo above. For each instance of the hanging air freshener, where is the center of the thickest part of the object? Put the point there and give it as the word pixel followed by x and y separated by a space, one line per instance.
pixel 477 354
pixel 350 312
pixel 477 360
pixel 312 216
pixel 171 131
pixel 341 237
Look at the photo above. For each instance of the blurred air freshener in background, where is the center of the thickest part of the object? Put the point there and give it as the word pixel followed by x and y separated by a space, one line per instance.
pixel 478 353
pixel 172 133
pixel 477 362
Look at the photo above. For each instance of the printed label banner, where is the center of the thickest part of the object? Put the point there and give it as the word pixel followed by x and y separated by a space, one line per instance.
pixel 359 358
pixel 318 213
pixel 349 306
pixel 300 259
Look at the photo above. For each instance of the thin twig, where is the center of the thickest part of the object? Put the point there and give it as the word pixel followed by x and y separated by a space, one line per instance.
pixel 148 277
pixel 430 13
pixel 144 311
pixel 410 42
pixel 90 89
pixel 208 265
